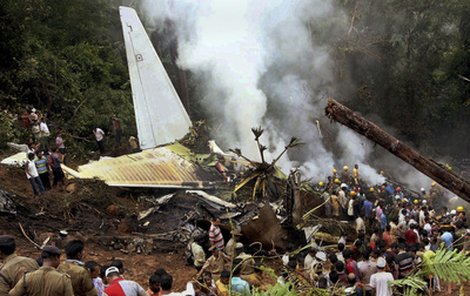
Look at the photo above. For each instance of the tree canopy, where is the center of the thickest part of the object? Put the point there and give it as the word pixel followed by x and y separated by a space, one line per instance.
pixel 407 62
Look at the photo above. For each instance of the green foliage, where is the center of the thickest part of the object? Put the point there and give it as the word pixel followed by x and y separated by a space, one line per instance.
pixel 411 285
pixel 448 266
pixel 66 59
pixel 9 129
pixel 276 290
pixel 405 59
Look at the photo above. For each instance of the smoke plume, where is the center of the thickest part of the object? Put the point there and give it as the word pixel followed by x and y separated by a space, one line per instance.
pixel 260 66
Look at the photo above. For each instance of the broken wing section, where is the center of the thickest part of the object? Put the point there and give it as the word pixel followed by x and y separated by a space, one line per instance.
pixel 153 168
pixel 160 115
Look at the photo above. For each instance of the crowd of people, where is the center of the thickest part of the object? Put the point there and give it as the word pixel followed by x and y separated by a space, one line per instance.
pixel 394 230
pixel 48 275
pixel 44 155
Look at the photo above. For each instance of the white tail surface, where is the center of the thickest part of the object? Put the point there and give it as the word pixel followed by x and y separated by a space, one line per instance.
pixel 160 115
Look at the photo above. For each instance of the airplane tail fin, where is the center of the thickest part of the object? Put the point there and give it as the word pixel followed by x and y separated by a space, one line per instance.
pixel 160 115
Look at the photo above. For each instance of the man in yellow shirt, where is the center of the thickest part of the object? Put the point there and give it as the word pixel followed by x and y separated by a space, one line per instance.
pixel 222 283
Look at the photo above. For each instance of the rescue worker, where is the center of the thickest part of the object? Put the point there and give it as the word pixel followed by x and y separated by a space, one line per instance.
pixel 345 177
pixel 435 194
pixel 356 174
pixel 335 206
pixel 215 264
pixel 230 247
pixel 46 281
pixel 14 266
pixel 81 281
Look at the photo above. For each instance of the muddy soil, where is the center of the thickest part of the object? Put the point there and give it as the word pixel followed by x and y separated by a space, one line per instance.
pixel 82 212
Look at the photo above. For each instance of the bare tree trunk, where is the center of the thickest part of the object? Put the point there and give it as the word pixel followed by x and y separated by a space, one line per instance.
pixel 427 166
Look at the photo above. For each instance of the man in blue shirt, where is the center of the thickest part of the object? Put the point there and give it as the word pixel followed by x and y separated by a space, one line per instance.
pixel 448 239
pixel 239 285
pixel 368 205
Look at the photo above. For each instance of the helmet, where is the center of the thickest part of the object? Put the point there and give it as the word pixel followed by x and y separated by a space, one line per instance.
pixel 321 183
pixel 343 185
pixel 334 171
pixel 371 189
pixel 460 209
pixel 353 193
pixel 337 181
pixel 345 168
pixel 425 201
pixel 321 256
pixel 433 184
pixel 453 212
pixel 398 189
pixel 422 189
pixel 416 201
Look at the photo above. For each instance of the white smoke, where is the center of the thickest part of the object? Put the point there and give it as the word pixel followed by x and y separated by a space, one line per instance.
pixel 248 51
pixel 355 150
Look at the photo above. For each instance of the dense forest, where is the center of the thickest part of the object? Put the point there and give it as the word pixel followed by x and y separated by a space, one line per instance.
pixel 402 63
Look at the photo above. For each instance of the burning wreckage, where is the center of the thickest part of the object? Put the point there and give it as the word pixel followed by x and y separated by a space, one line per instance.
pixel 250 197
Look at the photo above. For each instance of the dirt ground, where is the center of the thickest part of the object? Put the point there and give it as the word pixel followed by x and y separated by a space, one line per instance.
pixel 48 213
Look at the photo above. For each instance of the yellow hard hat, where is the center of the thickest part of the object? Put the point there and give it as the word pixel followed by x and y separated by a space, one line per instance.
pixel 416 201
pixel 353 193
pixel 334 171
pixel 321 183
pixel 337 181
pixel 345 168
pixel 460 209
pixel 433 184
pixel 371 189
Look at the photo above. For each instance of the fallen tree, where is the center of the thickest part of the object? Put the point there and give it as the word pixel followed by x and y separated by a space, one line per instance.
pixel 342 114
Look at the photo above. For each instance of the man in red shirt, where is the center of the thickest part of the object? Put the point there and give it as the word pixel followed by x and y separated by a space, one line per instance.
pixel 118 286
pixel 387 237
pixel 215 235
pixel 411 237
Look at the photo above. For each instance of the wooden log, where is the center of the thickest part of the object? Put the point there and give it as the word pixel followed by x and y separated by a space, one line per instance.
pixel 342 114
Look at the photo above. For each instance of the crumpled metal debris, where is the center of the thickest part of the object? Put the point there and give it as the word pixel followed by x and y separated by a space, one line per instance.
pixel 158 202
pixel 6 202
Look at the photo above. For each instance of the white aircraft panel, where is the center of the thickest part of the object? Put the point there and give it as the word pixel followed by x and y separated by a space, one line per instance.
pixel 160 115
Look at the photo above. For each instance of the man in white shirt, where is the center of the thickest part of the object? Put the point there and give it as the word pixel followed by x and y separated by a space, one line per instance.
pixel 421 217
pixel 360 225
pixel 310 258
pixel 33 176
pixel 99 136
pixel 44 129
pixel 380 281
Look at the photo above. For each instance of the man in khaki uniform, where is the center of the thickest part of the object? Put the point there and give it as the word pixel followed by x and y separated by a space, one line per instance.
pixel 46 281
pixel 215 264
pixel 14 267
pixel 81 281
pixel 247 268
